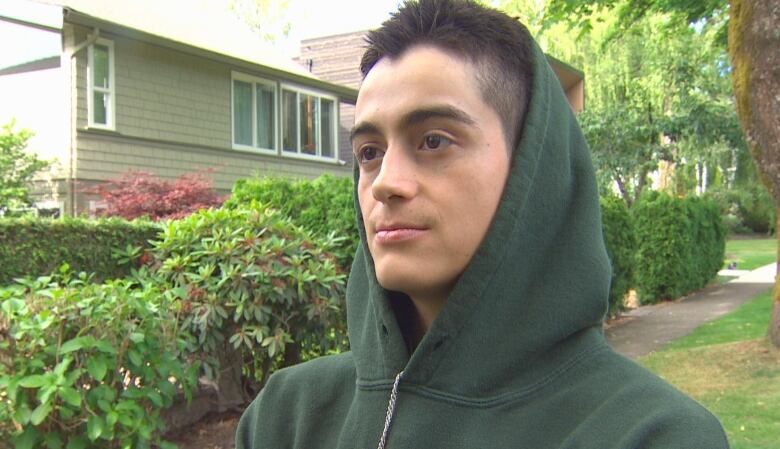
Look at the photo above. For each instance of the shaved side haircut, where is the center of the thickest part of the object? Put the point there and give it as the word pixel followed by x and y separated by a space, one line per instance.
pixel 498 46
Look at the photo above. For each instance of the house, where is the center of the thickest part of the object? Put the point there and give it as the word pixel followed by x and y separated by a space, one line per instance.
pixel 170 87
pixel 336 58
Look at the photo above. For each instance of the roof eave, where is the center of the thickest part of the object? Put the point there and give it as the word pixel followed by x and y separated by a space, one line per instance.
pixel 73 16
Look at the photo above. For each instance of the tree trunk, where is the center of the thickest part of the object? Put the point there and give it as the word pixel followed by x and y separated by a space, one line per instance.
pixel 754 46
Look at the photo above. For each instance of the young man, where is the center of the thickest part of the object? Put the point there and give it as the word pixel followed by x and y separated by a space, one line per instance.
pixel 476 298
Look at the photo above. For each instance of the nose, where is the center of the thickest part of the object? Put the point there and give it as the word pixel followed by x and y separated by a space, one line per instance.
pixel 397 177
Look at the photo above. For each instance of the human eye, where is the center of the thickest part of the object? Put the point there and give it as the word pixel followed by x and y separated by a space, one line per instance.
pixel 368 153
pixel 435 141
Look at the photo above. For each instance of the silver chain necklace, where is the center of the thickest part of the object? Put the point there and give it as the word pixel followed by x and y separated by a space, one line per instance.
pixel 390 411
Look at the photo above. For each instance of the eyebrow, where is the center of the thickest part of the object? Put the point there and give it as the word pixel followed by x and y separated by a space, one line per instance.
pixel 415 117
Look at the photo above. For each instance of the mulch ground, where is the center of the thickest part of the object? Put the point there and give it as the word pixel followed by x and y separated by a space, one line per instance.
pixel 215 431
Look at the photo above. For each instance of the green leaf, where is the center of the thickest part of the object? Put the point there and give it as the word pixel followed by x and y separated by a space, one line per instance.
pixel 135 357
pixel 78 442
pixel 155 398
pixel 40 413
pixel 53 440
pixel 77 343
pixel 104 346
pixel 36 381
pixel 27 439
pixel 137 337
pixel 167 445
pixel 22 414
pixel 70 396
pixel 111 418
pixel 95 426
pixel 96 366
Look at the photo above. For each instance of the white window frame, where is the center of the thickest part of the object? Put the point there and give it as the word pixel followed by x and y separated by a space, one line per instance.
pixel 254 80
pixel 111 90
pixel 318 122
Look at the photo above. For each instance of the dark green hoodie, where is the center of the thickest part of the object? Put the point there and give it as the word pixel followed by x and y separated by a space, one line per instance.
pixel 517 356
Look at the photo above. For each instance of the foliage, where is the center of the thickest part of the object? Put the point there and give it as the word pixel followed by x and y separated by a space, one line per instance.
pixel 93 365
pixel 37 246
pixel 620 238
pixel 324 206
pixel 746 208
pixel 267 18
pixel 16 167
pixel 580 12
pixel 138 194
pixel 86 365
pixel 252 278
pixel 681 245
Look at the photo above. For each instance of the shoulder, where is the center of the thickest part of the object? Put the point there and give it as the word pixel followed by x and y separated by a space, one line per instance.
pixel 291 396
pixel 650 412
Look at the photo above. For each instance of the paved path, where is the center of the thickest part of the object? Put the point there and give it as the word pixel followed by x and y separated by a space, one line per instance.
pixel 649 328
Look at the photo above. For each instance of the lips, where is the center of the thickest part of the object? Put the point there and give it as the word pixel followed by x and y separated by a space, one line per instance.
pixel 396 233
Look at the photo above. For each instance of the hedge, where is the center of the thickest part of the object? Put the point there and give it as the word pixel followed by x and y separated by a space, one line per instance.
pixel 681 245
pixel 323 206
pixel 620 238
pixel 38 246
pixel 234 292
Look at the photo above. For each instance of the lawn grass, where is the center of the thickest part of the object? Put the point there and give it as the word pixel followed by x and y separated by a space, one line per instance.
pixel 749 322
pixel 750 253
pixel 738 382
pixel 729 367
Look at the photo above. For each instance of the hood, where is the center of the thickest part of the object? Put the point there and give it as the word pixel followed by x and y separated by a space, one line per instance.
pixel 532 299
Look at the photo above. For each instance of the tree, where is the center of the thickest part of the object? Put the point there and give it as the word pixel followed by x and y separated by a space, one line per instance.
pixel 17 167
pixel 753 45
pixel 267 18
pixel 141 194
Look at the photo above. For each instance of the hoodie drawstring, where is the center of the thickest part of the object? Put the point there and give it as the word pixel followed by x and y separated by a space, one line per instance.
pixel 390 411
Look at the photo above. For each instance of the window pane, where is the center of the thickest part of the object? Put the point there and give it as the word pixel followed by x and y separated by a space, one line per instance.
pixel 242 113
pixel 328 117
pixel 100 66
pixel 289 136
pixel 265 116
pixel 308 117
pixel 100 108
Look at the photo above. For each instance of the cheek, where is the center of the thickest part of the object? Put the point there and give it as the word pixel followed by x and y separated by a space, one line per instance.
pixel 365 198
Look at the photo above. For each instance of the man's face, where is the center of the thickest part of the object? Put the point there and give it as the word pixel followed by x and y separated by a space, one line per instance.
pixel 433 163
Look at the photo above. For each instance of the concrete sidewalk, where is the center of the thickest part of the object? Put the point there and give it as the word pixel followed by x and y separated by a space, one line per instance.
pixel 649 328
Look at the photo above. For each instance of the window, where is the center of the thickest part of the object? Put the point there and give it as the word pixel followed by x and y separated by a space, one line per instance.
pixel 308 124
pixel 254 113
pixel 100 81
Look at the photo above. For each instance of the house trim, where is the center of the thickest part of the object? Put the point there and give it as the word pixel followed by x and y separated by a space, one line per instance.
pixel 297 89
pixel 110 90
pixel 241 76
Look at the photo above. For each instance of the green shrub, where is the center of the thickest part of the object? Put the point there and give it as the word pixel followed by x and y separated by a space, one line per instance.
pixel 746 209
pixel 253 278
pixel 621 243
pixel 681 245
pixel 89 365
pixel 323 206
pixel 37 246
pixel 96 364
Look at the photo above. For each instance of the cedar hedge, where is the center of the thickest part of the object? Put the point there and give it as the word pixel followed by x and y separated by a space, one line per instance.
pixel 681 245
pixel 38 246
pixel 620 239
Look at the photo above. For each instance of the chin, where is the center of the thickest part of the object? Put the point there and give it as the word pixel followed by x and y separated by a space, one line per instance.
pixel 397 279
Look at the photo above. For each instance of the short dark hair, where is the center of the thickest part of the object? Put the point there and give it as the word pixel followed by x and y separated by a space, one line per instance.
pixel 498 46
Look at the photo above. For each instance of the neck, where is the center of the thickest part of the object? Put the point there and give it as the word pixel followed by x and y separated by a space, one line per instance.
pixel 426 309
